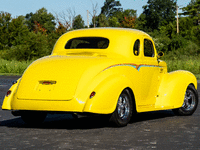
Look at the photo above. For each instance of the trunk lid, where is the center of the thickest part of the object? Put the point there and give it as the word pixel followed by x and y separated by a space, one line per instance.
pixel 57 77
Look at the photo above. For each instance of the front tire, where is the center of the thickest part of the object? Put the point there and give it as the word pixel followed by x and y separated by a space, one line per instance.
pixel 123 112
pixel 190 102
pixel 33 117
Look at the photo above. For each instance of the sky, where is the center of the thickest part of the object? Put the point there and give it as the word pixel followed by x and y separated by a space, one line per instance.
pixel 23 7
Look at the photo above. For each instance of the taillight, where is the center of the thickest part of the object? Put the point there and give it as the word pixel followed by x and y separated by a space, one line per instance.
pixel 8 93
pixel 92 94
pixel 46 82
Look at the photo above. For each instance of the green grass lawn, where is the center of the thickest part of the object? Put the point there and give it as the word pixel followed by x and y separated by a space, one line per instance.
pixel 13 67
pixel 198 76
pixel 191 64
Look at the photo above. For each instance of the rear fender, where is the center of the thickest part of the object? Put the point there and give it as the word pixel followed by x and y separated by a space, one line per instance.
pixel 8 99
pixel 173 87
pixel 107 93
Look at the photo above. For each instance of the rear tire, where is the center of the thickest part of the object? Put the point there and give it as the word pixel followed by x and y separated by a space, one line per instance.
pixel 33 117
pixel 190 102
pixel 123 112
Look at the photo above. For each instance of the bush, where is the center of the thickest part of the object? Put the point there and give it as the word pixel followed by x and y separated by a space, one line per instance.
pixel 33 46
pixel 186 49
pixel 13 67
pixel 191 49
pixel 182 62
pixel 162 43
pixel 177 45
pixel 177 42
pixel 196 35
pixel 52 38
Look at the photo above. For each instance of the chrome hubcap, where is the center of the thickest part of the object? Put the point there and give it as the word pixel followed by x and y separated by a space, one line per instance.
pixel 123 106
pixel 189 100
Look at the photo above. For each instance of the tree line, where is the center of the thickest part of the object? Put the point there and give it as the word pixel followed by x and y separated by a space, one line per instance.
pixel 34 35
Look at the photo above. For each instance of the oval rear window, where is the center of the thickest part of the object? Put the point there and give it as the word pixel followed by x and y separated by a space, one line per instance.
pixel 87 43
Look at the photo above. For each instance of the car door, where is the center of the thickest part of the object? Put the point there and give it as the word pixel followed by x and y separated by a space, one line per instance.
pixel 149 71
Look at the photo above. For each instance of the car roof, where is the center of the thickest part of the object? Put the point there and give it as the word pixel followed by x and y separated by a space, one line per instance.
pixel 111 29
pixel 121 39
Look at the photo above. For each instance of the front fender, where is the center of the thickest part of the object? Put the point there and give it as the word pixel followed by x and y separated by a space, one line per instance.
pixel 107 93
pixel 8 99
pixel 173 87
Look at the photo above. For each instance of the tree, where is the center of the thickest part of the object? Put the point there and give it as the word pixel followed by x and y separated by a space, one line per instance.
pixel 17 30
pixel 32 46
pixel 45 19
pixel 128 22
pixel 102 21
pixel 78 22
pixel 141 22
pixel 11 30
pixel 95 22
pixel 5 19
pixel 61 29
pixel 93 14
pixel 191 22
pixel 169 30
pixel 159 12
pixel 130 13
pixel 193 11
pixel 113 22
pixel 110 8
pixel 185 26
pixel 127 18
pixel 66 18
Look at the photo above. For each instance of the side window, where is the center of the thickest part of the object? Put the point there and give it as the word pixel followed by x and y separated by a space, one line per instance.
pixel 148 48
pixel 136 48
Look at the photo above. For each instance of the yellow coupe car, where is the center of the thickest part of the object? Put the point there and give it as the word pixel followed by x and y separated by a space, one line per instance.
pixel 111 71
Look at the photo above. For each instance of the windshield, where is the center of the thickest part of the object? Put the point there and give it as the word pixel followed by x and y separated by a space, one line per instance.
pixel 87 42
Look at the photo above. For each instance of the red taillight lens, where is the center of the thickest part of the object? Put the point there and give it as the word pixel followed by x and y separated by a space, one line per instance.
pixel 92 94
pixel 8 93
pixel 46 83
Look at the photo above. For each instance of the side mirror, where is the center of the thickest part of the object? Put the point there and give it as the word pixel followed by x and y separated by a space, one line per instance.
pixel 160 54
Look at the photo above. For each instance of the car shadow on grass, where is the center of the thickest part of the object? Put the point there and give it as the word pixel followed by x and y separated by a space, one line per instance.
pixel 66 121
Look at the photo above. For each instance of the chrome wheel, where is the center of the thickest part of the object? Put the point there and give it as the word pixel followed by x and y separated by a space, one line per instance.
pixel 124 109
pixel 123 106
pixel 189 100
